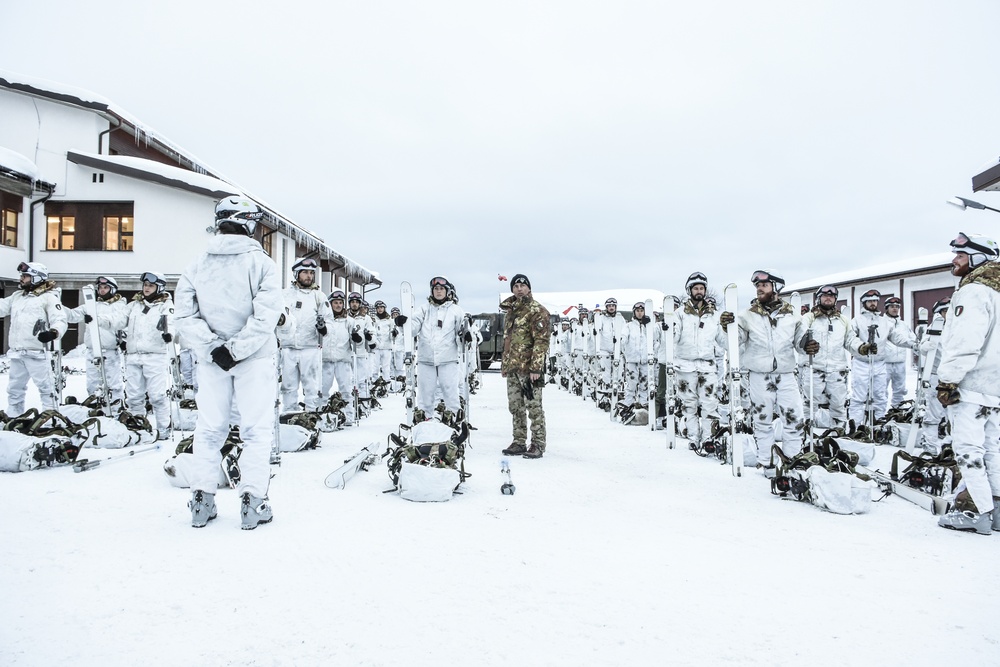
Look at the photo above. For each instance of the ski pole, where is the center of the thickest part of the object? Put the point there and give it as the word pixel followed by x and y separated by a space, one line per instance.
pixel 87 464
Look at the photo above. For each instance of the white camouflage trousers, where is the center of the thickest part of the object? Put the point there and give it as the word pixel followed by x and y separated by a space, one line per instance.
pixel 775 394
pixel 975 439
pixel 343 373
pixel 26 364
pixel 828 387
pixel 148 373
pixel 445 377
pixel 636 383
pixel 251 387
pixel 301 366
pixel 933 417
pixel 698 390
pixel 895 374
pixel 382 365
pixel 861 371
pixel 113 372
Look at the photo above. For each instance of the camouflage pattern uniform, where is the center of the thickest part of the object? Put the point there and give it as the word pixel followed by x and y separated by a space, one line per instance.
pixel 525 350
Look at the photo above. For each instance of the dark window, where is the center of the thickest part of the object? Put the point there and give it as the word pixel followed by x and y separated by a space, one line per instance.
pixel 10 206
pixel 89 226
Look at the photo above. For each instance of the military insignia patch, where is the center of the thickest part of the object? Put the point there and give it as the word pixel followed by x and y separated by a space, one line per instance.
pixel 958 311
pixel 540 326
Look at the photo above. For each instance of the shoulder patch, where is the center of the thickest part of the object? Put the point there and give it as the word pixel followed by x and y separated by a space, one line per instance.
pixel 59 307
pixel 958 310
pixel 540 325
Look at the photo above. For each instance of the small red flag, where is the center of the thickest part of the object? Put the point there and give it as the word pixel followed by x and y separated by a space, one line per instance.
pixel 501 278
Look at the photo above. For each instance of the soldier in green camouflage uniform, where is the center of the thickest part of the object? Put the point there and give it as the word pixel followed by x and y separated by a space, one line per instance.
pixel 525 349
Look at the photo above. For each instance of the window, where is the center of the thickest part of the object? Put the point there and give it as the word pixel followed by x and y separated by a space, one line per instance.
pixel 9 231
pixel 61 232
pixel 107 226
pixel 266 239
pixel 10 206
pixel 117 232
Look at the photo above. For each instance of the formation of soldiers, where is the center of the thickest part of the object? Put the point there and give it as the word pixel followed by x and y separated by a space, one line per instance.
pixel 809 368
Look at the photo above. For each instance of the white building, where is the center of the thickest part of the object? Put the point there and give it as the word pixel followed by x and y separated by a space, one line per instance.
pixel 85 189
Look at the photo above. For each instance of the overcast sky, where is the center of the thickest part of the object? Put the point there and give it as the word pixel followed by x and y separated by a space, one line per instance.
pixel 589 145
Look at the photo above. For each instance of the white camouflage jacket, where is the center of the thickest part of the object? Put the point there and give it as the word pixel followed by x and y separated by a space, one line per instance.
pixel 697 336
pixel 26 308
pixel 337 344
pixel 437 329
pixel 768 338
pixel 231 295
pixel 633 340
pixel 835 337
pixel 304 305
pixel 112 315
pixel 970 343
pixel 147 322
pixel 894 353
pixel 608 327
pixel 887 329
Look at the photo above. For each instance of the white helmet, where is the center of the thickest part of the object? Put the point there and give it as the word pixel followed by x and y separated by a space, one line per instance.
pixel 304 264
pixel 39 272
pixel 979 248
pixel 767 275
pixel 155 278
pixel 696 278
pixel 236 213
pixel 109 281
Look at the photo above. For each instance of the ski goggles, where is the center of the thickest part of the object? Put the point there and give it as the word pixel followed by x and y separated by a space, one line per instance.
pixel 871 295
pixel 104 281
pixel 697 278
pixel 963 243
pixel 942 305
pixel 761 277
pixel 639 306
pixel 152 278
pixel 439 282
pixel 893 302
pixel 354 296
pixel 336 295
pixel 827 290
pixel 23 268
pixel 307 264
pixel 611 302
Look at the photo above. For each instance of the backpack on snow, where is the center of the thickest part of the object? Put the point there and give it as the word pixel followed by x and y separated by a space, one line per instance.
pixel 431 467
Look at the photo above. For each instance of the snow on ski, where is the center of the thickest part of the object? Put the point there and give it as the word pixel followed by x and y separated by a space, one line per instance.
pixel 363 460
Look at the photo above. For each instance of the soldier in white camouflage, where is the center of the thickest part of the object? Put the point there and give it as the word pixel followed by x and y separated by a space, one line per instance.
pixel 525 350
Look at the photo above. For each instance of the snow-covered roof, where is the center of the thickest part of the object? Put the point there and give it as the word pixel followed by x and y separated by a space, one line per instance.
pixel 565 303
pixel 17 163
pixel 156 172
pixel 922 264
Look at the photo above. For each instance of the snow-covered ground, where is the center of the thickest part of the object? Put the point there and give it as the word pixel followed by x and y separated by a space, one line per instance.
pixel 613 551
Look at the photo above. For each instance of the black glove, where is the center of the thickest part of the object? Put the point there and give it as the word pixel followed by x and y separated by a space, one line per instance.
pixel 812 347
pixel 595 332
pixel 321 325
pixel 725 319
pixel 467 336
pixel 222 358
pixel 321 330
pixel 122 346
pixel 614 340
pixel 48 336
pixel 400 320
pixel 663 325
pixel 947 393
pixel 87 318
pixel 644 320
pixel 868 348
pixel 167 337
pixel 355 336
pixel 368 336
pixel 395 332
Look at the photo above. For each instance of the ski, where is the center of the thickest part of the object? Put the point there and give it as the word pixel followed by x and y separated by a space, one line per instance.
pixel 735 382
pixel 616 363
pixel 96 350
pixel 936 505
pixel 669 322
pixel 652 372
pixel 507 488
pixel 87 464
pixel 406 310
pixel 363 460
pixel 923 392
